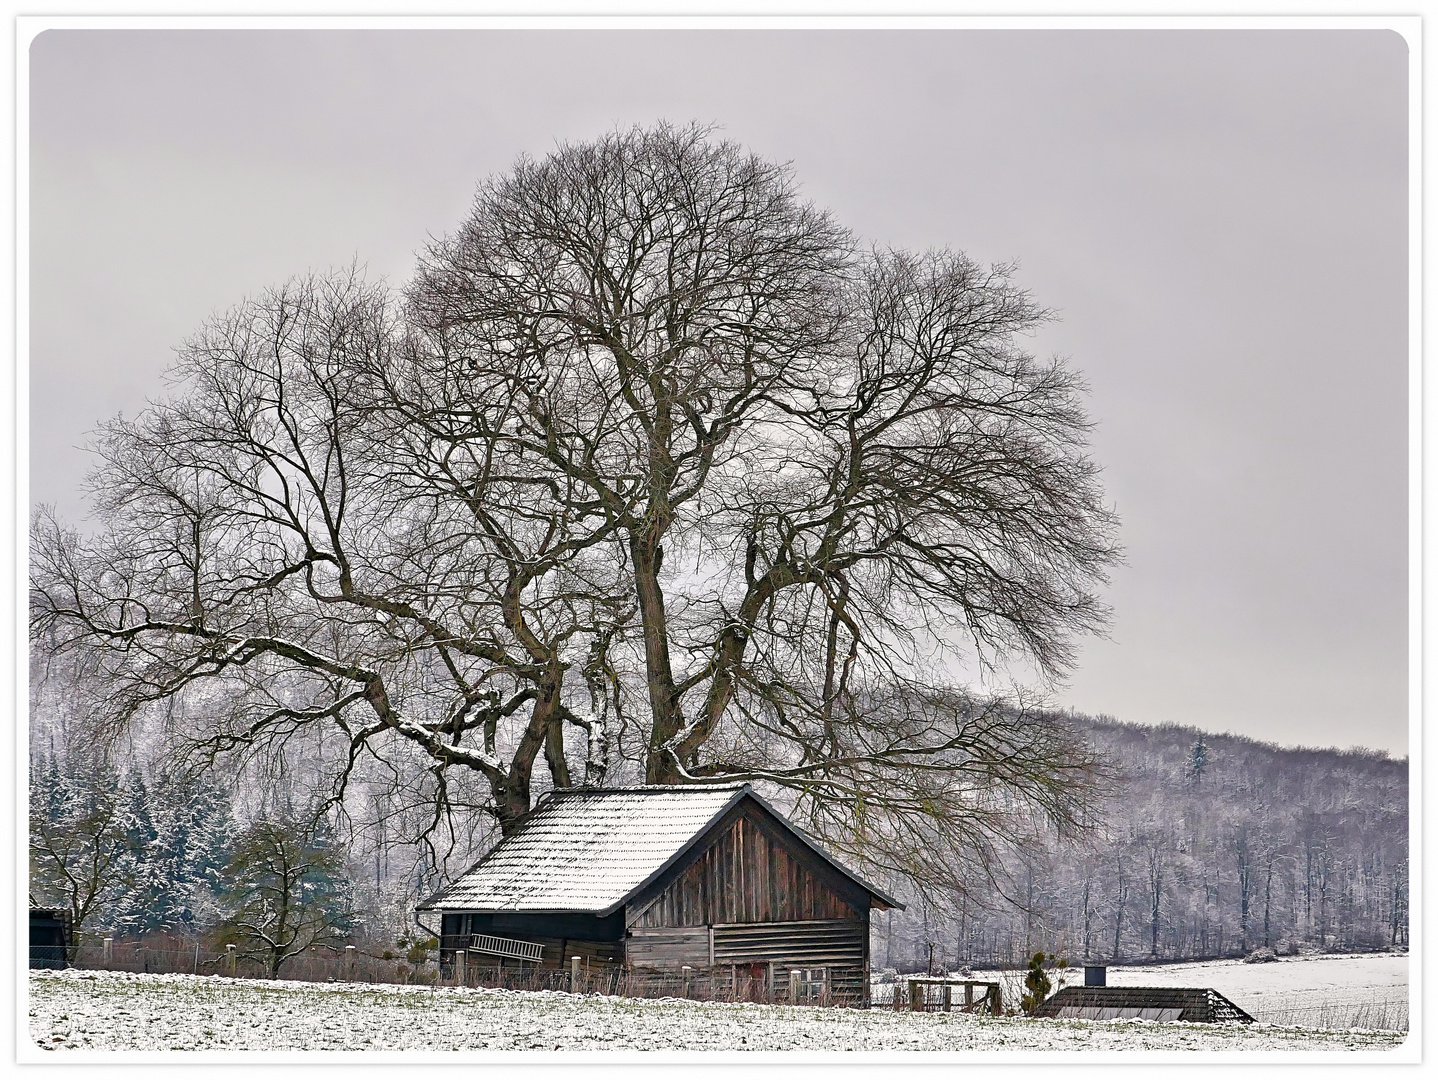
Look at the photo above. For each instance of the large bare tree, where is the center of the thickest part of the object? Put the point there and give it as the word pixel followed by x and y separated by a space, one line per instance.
pixel 651 453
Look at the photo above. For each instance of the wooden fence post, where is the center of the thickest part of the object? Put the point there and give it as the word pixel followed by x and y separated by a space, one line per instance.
pixel 898 998
pixel 230 959
pixel 350 963
pixel 793 988
pixel 197 958
pixel 916 996
pixel 948 997
pixel 459 976
pixel 109 947
pixel 574 975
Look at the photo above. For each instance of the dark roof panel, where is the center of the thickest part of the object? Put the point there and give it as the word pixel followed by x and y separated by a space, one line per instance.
pixel 1194 1004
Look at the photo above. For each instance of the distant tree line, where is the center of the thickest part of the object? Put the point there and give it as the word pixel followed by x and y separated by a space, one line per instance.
pixel 1213 846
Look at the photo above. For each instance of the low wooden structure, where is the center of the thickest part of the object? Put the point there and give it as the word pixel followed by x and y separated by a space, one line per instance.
pixel 702 883
pixel 1164 1003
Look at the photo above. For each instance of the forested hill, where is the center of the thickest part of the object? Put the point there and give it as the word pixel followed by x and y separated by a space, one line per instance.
pixel 1213 845
pixel 1161 756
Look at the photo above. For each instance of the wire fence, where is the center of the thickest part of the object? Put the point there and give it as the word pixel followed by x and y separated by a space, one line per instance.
pixel 1308 1011
pixel 359 966
pixel 612 979
pixel 342 965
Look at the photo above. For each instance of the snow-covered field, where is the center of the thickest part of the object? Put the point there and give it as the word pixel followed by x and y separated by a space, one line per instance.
pixel 98 1010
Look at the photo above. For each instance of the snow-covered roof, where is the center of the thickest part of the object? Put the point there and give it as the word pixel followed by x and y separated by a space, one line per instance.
pixel 591 849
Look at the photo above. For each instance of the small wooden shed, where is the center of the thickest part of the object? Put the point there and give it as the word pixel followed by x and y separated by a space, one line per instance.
pixel 657 879
pixel 51 938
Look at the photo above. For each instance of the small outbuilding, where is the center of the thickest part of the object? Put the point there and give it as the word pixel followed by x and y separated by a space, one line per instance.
pixel 661 879
pixel 1203 1006
pixel 51 938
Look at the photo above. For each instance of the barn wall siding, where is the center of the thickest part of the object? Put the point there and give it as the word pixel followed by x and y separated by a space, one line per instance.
pixel 818 942
pixel 746 876
pixel 839 945
pixel 667 949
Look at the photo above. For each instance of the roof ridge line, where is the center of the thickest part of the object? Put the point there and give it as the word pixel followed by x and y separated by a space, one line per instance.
pixel 650 789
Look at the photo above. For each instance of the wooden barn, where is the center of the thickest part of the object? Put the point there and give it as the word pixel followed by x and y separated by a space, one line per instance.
pixel 659 879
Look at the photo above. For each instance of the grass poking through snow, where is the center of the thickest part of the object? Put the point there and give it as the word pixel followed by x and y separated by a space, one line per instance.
pixel 98 1010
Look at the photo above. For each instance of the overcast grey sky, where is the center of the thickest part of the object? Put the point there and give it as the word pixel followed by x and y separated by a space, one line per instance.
pixel 1220 218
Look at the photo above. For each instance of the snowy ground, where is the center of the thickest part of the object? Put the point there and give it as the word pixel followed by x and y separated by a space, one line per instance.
pixel 97 1010
pixel 1369 990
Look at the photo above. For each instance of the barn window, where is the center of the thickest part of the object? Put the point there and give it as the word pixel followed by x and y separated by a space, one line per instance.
pixel 811 987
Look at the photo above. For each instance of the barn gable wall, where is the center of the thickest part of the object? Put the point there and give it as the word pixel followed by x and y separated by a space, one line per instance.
pixel 748 873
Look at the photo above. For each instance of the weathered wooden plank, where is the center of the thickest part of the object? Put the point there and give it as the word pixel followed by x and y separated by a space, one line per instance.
pixel 811 943
pixel 745 876
pixel 667 949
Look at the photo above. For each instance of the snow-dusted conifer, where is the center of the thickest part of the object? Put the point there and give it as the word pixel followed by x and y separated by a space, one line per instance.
pixel 1198 760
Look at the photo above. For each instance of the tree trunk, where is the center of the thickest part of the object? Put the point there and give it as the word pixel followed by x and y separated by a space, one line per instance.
pixel 1122 898
pixel 512 793
pixel 1087 919
pixel 1267 903
pixel 660 766
pixel 1155 884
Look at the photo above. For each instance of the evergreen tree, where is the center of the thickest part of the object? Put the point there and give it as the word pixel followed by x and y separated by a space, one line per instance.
pixel 204 849
pixel 79 841
pixel 176 844
pixel 1198 760
pixel 1037 983
pixel 142 909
